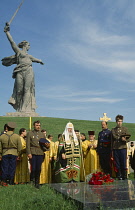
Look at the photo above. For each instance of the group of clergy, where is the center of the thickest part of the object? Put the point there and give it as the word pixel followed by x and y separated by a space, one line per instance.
pixel 72 158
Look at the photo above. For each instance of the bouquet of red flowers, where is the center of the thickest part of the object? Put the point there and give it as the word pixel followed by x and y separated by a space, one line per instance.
pixel 100 178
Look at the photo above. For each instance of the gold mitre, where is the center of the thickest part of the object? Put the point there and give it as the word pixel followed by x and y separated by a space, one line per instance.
pixel 69 125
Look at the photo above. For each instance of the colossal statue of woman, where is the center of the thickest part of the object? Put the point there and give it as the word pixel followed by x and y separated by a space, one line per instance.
pixel 23 97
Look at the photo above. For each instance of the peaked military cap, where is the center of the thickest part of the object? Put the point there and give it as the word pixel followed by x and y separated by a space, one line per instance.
pixel 11 124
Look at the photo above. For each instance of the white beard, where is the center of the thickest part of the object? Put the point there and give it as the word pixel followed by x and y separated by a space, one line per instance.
pixel 70 133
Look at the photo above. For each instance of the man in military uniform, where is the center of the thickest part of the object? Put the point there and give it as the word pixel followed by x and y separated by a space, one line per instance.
pixel 10 146
pixel 120 137
pixel 104 148
pixel 35 152
pixel 4 131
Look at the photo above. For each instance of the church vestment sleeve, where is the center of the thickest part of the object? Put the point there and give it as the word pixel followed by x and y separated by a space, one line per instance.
pixel 95 143
pixel 62 161
pixel 19 148
pixel 56 144
pixel 51 149
pixel 62 150
pixel 84 146
pixel 54 150
pixel 23 144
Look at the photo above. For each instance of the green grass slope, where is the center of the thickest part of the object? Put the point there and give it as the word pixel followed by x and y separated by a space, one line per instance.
pixel 20 197
pixel 56 126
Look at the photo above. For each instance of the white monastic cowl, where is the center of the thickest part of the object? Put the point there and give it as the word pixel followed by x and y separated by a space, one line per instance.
pixel 67 136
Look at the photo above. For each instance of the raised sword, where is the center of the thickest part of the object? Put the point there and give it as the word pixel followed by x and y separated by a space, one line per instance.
pixel 8 23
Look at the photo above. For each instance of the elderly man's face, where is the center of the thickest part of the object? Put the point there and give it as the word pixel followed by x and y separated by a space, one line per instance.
pixel 70 130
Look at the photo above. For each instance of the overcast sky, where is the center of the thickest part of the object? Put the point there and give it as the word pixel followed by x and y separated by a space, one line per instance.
pixel 88 47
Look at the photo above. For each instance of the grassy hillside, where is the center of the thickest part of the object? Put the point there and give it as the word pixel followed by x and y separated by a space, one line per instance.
pixel 20 197
pixel 56 126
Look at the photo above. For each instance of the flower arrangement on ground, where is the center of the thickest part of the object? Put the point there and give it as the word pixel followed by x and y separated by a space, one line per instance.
pixel 100 178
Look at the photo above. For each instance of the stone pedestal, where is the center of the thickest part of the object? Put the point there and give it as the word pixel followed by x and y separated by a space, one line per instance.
pixel 22 114
pixel 117 195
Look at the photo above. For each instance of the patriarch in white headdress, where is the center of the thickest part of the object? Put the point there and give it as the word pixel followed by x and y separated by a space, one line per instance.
pixel 68 132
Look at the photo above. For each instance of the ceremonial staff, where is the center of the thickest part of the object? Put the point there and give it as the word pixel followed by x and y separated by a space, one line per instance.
pixel 82 159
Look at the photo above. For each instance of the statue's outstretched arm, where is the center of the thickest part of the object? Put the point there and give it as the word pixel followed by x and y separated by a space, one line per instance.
pixel 36 60
pixel 13 44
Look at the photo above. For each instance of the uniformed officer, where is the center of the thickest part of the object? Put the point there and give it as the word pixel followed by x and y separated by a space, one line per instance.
pixel 104 148
pixel 35 152
pixel 10 146
pixel 4 131
pixel 120 137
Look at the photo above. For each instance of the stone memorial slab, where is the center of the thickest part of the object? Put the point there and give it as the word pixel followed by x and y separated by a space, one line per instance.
pixel 119 195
